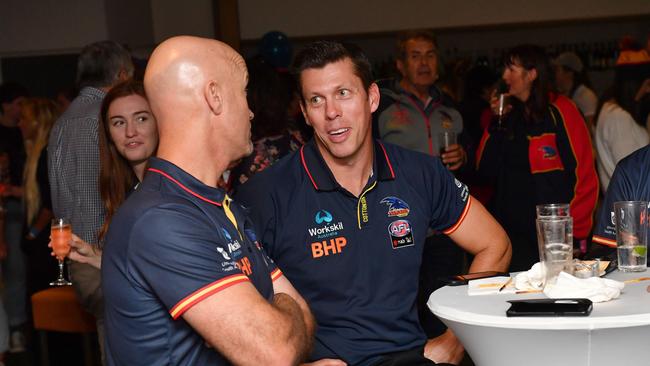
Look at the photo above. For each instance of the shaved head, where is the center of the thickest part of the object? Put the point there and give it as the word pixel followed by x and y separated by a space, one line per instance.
pixel 196 89
pixel 179 67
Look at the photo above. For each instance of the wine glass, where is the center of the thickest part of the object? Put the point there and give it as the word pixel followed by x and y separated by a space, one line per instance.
pixel 61 235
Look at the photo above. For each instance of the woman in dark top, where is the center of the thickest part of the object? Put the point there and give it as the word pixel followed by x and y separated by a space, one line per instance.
pixel 540 153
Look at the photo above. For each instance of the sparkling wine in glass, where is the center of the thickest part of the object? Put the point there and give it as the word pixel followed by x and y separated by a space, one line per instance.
pixel 61 235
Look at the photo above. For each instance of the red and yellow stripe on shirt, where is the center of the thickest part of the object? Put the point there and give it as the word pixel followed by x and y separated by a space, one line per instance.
pixel 461 218
pixel 204 292
pixel 604 241
pixel 276 274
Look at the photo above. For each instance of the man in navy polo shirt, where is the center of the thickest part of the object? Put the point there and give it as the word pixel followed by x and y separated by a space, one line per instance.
pixel 630 182
pixel 184 278
pixel 345 218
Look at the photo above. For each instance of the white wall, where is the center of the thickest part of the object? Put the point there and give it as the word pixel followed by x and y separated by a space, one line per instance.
pixel 173 17
pixel 301 18
pixel 50 26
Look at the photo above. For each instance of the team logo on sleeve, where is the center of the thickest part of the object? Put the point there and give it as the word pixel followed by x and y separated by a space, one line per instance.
pixel 401 234
pixel 396 207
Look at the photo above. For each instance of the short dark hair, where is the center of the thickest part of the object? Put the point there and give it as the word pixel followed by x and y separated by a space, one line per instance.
pixel 405 36
pixel 10 91
pixel 100 63
pixel 319 54
pixel 530 57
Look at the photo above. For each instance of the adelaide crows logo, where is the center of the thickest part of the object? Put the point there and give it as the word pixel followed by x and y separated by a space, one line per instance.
pixel 323 216
pixel 396 207
pixel 549 152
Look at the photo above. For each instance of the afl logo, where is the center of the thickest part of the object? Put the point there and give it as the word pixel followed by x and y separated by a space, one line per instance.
pixel 399 228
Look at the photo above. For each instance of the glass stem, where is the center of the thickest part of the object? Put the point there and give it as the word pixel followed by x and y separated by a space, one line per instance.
pixel 61 270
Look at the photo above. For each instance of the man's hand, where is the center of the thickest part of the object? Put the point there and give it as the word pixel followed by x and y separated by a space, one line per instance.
pixel 444 349
pixel 454 157
pixel 326 362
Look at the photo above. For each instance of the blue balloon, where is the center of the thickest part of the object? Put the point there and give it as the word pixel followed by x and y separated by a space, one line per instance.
pixel 276 49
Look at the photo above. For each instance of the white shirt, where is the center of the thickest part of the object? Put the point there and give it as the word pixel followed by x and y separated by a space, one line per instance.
pixel 617 136
pixel 586 100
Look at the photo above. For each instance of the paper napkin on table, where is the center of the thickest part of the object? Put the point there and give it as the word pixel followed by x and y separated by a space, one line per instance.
pixel 594 288
pixel 490 285
pixel 533 279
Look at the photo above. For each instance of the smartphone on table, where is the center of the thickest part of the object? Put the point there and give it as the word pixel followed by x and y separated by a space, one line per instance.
pixel 463 279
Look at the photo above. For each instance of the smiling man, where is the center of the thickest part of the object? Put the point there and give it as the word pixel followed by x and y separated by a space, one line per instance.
pixel 346 216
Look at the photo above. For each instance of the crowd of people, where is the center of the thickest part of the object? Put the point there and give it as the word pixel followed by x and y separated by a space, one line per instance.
pixel 225 211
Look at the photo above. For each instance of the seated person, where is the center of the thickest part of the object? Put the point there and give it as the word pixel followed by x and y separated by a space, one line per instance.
pixel 346 217
pixel 630 182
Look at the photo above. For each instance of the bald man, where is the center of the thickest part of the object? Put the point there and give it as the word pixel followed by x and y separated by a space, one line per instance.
pixel 184 278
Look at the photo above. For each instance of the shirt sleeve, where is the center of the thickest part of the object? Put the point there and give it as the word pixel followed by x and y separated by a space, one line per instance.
pixel 254 195
pixel 620 189
pixel 177 253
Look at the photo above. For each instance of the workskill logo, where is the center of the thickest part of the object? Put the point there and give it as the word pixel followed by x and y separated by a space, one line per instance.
pixel 327 228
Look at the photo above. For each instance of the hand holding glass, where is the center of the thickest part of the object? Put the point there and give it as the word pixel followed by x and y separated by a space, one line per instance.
pixel 61 235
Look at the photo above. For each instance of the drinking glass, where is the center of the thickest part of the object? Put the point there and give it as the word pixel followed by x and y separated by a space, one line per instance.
pixel 631 219
pixel 555 241
pixel 552 210
pixel 61 235
pixel 445 139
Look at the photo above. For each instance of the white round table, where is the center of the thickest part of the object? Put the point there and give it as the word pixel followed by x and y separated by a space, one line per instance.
pixel 617 333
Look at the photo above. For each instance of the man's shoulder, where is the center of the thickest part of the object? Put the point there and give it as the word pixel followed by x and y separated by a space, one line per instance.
pixel 637 163
pixel 281 177
pixel 407 160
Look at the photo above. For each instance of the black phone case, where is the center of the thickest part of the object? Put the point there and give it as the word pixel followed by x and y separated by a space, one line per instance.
pixel 550 307
pixel 459 280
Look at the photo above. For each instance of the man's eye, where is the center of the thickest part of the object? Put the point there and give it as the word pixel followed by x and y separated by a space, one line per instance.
pixel 315 100
pixel 142 118
pixel 344 92
pixel 118 122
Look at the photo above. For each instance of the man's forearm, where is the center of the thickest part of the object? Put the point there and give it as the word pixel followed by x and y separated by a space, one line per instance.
pixel 299 334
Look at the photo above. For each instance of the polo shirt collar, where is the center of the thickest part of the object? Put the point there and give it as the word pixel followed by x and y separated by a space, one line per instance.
pixel 184 182
pixel 321 176
pixel 434 94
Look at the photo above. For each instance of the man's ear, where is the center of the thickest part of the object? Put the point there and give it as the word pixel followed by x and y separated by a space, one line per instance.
pixel 532 75
pixel 212 94
pixel 373 97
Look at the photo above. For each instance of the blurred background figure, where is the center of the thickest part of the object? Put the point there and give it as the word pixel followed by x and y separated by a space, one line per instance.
pixel 270 99
pixel 541 153
pixel 621 124
pixel 38 117
pixel 571 81
pixel 73 162
pixel 14 277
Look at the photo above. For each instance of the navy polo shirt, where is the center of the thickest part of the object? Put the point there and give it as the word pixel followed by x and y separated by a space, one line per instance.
pixel 355 260
pixel 630 182
pixel 170 246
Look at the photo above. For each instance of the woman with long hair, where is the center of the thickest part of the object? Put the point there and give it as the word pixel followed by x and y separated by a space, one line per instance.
pixel 128 136
pixel 540 153
pixel 621 127
pixel 37 118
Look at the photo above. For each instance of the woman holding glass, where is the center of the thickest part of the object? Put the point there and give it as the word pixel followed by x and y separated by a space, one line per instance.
pixel 128 136
pixel 541 153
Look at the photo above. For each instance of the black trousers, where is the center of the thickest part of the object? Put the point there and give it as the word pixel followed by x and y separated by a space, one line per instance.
pixel 414 357
pixel 441 258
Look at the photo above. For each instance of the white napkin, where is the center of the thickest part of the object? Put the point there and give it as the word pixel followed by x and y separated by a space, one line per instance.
pixel 594 288
pixel 531 279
